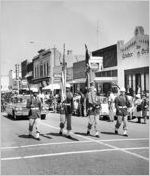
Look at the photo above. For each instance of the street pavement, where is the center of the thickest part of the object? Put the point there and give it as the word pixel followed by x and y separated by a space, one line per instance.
pixel 110 154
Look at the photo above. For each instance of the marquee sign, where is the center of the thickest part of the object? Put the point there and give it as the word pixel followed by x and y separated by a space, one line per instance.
pixel 96 63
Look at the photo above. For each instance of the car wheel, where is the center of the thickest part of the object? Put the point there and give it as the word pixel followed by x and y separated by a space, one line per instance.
pixel 43 116
pixel 14 116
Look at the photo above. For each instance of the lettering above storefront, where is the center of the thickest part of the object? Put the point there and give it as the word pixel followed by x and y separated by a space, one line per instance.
pixel 142 52
pixel 127 55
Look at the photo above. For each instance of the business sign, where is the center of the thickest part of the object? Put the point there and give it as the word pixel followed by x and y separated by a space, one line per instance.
pixel 96 63
pixel 24 82
pixel 57 75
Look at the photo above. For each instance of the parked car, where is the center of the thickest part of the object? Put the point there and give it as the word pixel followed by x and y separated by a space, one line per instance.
pixel 104 107
pixel 17 107
pixel 76 105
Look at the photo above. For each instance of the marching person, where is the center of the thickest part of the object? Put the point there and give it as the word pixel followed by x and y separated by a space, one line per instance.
pixel 122 104
pixel 67 109
pixel 34 105
pixel 93 108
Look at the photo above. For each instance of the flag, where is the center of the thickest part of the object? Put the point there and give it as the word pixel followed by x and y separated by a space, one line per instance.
pixel 63 77
pixel 87 57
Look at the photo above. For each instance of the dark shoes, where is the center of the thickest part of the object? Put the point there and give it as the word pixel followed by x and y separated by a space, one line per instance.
pixel 88 133
pixel 60 132
pixel 69 137
pixel 97 136
pixel 38 139
pixel 29 136
pixel 116 131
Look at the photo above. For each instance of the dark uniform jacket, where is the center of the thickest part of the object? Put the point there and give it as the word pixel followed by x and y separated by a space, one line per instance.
pixel 68 103
pixel 34 104
pixel 121 104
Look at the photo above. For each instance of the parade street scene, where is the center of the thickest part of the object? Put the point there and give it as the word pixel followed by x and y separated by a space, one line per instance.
pixel 75 87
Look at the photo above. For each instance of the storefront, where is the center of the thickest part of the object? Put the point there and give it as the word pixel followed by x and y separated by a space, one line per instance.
pixel 133 62
pixel 107 78
pixel 79 75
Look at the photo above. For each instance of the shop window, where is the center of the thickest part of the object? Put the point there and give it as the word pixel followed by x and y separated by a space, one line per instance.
pixel 37 72
pixel 47 69
pixel 41 70
pixel 147 82
pixel 44 69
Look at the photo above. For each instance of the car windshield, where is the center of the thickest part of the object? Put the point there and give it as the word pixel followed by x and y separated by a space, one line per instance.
pixel 19 99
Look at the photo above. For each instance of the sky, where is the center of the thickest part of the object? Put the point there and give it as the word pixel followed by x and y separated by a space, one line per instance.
pixel 75 23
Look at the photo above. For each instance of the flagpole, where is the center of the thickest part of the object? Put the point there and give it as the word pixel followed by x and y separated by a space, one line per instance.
pixel 63 75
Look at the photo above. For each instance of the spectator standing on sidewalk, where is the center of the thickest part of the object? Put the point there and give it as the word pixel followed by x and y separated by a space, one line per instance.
pixel 144 105
pixel 111 104
pixel 138 107
pixel 122 104
pixel 34 105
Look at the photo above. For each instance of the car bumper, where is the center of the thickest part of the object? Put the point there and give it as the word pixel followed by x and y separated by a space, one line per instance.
pixel 20 113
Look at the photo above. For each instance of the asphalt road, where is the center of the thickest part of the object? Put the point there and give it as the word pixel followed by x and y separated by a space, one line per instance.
pixel 82 155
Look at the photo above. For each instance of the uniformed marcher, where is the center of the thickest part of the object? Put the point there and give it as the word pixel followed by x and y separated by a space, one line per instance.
pixel 34 105
pixel 66 112
pixel 93 108
pixel 122 104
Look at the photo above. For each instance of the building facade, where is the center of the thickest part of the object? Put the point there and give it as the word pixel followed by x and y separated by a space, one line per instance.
pixel 108 76
pixel 14 79
pixel 4 83
pixel 79 75
pixel 133 62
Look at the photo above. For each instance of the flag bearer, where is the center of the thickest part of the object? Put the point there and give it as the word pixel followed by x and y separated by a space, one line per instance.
pixel 34 105
pixel 67 107
pixel 93 110
pixel 122 104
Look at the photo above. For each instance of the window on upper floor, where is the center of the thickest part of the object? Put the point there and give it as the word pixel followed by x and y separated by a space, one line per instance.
pixel 41 70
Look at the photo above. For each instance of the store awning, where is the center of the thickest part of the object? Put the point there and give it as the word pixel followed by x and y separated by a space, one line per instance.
pixel 105 79
pixel 28 74
pixel 81 80
pixel 54 86
pixel 33 89
pixel 51 87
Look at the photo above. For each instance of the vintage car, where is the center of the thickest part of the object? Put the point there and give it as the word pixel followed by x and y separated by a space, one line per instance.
pixel 104 107
pixel 76 105
pixel 17 107
pixel 104 113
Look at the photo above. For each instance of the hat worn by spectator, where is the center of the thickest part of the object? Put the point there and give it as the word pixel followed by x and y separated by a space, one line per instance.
pixel 122 89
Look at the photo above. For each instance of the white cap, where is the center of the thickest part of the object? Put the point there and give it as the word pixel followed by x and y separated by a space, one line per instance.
pixel 138 96
pixel 122 89
pixel 68 85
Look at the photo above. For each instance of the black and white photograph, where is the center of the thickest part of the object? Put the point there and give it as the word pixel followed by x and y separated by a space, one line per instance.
pixel 74 87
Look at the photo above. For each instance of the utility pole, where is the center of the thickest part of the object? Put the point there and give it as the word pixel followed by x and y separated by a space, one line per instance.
pixel 97 31
pixel 17 75
pixel 52 71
